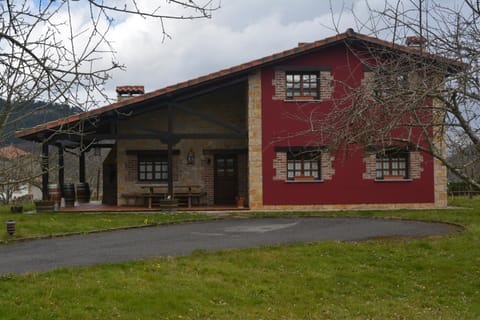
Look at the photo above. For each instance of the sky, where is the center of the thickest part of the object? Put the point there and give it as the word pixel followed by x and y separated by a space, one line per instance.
pixel 239 31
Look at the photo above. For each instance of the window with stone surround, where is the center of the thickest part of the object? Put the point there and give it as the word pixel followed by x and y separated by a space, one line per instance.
pixel 300 83
pixel 153 168
pixel 388 165
pixel 297 164
pixel 303 85
pixel 392 164
pixel 303 165
pixel 387 82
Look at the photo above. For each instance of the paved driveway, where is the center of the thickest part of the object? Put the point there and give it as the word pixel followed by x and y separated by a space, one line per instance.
pixel 182 239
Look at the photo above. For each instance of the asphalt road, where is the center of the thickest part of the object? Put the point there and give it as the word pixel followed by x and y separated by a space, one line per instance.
pixel 182 239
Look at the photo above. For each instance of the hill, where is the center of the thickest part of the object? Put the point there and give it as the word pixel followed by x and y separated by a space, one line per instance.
pixel 31 115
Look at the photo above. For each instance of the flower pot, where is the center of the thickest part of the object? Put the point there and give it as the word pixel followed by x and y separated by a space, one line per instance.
pixel 304 178
pixel 304 98
pixel 168 204
pixel 16 209
pixel 393 177
pixel 240 202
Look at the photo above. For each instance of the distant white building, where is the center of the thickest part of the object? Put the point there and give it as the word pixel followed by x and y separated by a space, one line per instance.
pixel 15 165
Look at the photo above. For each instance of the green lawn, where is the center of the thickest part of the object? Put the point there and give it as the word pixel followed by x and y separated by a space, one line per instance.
pixel 431 278
pixel 47 224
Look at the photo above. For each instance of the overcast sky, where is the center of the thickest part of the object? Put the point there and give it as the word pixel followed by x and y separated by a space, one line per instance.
pixel 240 31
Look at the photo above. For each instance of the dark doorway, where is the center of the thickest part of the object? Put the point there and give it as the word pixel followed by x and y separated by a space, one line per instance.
pixel 225 178
pixel 109 184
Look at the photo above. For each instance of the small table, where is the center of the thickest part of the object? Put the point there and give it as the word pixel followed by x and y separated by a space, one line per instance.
pixel 151 189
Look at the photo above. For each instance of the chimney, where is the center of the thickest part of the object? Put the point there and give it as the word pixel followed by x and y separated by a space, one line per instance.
pixel 303 44
pixel 416 42
pixel 125 92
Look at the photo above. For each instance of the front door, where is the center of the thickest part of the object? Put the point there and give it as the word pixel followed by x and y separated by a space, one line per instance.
pixel 225 179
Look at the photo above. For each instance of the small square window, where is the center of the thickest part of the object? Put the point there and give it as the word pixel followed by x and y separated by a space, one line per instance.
pixel 152 168
pixel 303 165
pixel 392 164
pixel 302 85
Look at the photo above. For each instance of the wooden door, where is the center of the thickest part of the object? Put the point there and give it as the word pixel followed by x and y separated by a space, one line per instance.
pixel 225 179
pixel 109 184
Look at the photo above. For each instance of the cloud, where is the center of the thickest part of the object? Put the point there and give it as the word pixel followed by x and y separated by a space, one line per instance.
pixel 239 32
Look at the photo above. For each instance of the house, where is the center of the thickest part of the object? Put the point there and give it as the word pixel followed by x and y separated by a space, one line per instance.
pixel 236 133
pixel 16 169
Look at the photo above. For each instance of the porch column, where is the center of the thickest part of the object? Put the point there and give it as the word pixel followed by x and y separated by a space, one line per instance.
pixel 81 167
pixel 61 166
pixel 44 165
pixel 170 150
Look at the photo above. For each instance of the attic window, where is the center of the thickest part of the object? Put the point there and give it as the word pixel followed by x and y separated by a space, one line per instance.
pixel 390 84
pixel 302 85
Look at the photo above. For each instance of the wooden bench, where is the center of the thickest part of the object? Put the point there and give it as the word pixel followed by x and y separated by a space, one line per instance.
pixel 186 196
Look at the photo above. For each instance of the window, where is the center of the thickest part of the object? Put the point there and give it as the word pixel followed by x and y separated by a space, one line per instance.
pixel 152 168
pixel 302 85
pixel 392 164
pixel 303 166
pixel 394 84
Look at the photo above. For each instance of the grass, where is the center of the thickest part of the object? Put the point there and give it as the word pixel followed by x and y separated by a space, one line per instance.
pixel 49 224
pixel 429 278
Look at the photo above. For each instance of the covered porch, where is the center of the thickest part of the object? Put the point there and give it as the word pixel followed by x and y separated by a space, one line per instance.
pixel 189 144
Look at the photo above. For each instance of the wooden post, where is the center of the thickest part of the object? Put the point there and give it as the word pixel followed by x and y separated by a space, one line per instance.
pixel 170 151
pixel 61 167
pixel 44 160
pixel 81 167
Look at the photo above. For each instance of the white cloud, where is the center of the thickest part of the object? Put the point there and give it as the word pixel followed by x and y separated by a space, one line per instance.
pixel 240 31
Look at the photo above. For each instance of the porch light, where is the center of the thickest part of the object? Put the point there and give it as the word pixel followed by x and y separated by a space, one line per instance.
pixel 190 157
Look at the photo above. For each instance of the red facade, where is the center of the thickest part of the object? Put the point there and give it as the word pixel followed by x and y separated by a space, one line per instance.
pixel 281 118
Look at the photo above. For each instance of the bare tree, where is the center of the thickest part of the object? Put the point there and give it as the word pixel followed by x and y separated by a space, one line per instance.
pixel 425 97
pixel 49 53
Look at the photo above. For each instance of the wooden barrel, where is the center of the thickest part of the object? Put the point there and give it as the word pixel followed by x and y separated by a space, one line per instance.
pixel 44 206
pixel 55 193
pixel 69 194
pixel 83 192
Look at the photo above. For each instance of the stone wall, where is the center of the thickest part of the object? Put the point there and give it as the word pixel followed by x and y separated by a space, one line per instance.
pixel 228 105
pixel 255 175
pixel 440 171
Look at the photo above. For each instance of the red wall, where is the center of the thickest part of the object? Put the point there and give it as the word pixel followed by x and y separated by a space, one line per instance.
pixel 347 185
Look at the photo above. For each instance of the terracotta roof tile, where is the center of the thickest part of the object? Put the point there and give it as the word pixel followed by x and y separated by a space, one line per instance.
pixel 11 152
pixel 130 89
